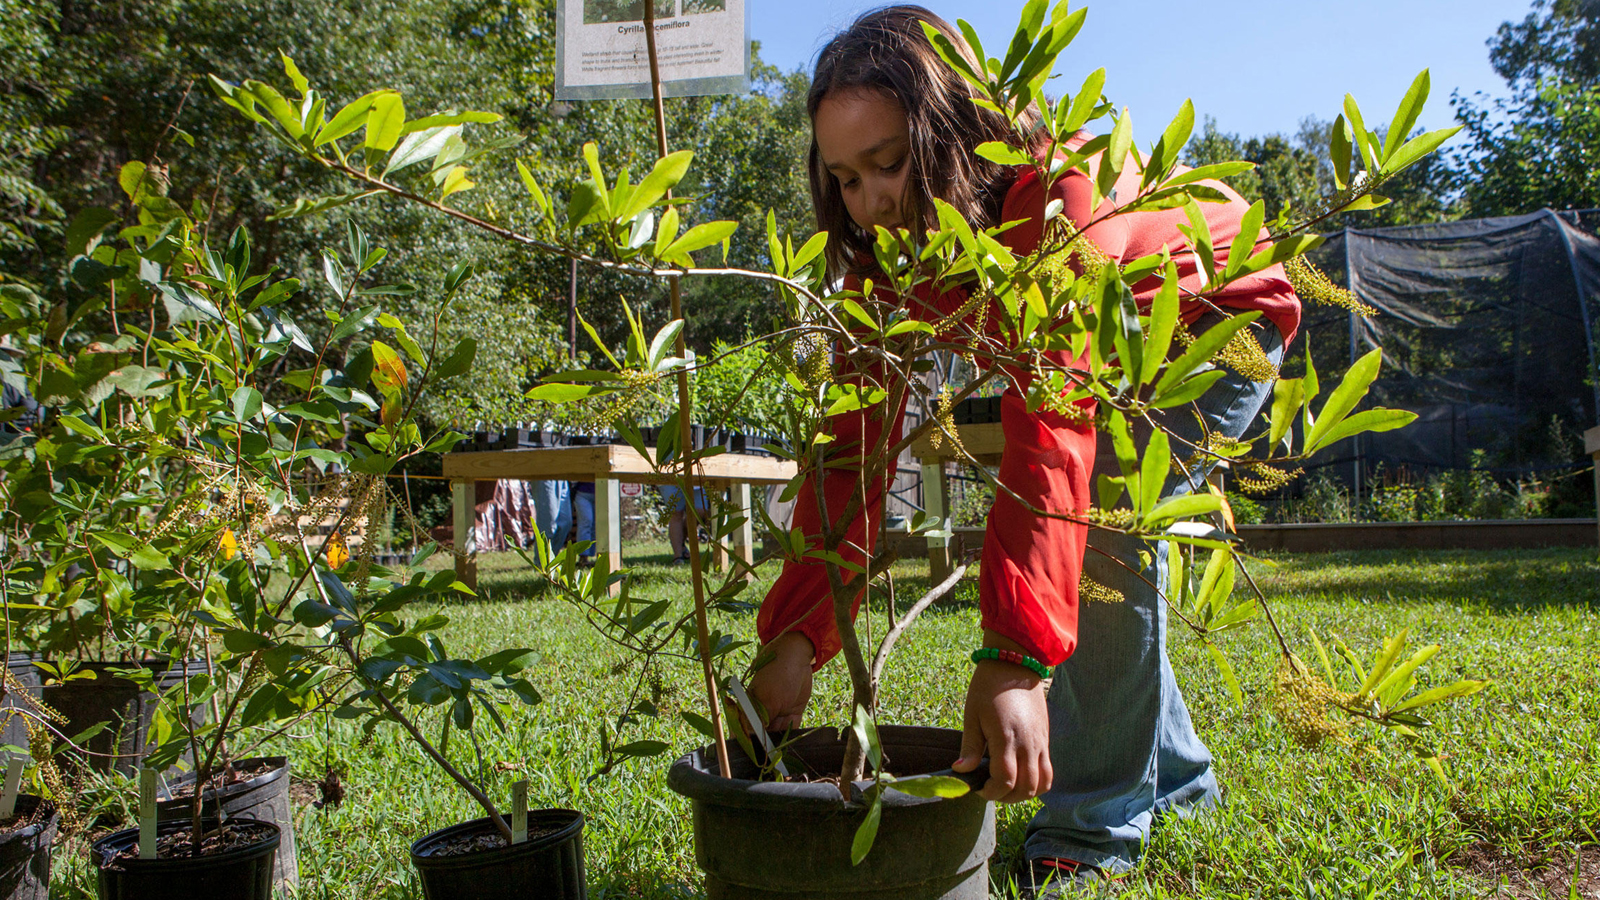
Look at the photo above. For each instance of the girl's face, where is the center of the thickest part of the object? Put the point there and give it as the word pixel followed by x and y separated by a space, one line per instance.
pixel 864 140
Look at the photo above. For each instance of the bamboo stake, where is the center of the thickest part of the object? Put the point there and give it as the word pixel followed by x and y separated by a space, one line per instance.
pixel 685 445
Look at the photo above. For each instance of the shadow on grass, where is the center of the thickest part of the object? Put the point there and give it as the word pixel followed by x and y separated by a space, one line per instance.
pixel 1505 581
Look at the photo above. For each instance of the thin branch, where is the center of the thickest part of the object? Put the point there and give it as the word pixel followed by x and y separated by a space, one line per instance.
pixel 932 596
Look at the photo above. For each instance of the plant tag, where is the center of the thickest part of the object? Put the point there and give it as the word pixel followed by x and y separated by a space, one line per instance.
pixel 749 710
pixel 8 800
pixel 147 813
pixel 519 812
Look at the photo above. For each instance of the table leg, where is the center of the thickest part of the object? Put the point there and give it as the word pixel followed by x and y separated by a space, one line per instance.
pixel 608 523
pixel 744 537
pixel 464 503
pixel 933 502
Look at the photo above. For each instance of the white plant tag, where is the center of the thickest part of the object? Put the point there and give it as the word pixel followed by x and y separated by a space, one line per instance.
pixel 519 812
pixel 147 813
pixel 8 800
pixel 749 710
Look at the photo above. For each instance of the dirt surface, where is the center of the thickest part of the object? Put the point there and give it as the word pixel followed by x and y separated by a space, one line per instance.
pixel 229 776
pixel 1555 873
pixel 176 844
pixel 461 845
pixel 39 813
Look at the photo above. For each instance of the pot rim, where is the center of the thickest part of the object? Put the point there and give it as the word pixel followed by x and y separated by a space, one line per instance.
pixel 279 768
pixel 113 843
pixel 570 824
pixel 29 832
pixel 694 776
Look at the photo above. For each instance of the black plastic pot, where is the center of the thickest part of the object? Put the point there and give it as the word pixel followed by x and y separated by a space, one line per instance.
pixel 546 867
pixel 112 698
pixel 244 873
pixel 264 797
pixel 766 840
pixel 25 852
pixel 15 731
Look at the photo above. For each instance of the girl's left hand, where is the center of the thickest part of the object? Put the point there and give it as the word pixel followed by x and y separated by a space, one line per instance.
pixel 1006 714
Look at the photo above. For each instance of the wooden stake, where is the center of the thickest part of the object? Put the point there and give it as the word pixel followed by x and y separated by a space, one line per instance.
pixel 147 813
pixel 685 445
pixel 519 812
pixel 8 800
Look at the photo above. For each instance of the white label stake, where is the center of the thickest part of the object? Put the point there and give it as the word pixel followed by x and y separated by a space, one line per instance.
pixel 519 812
pixel 147 813
pixel 749 710
pixel 8 800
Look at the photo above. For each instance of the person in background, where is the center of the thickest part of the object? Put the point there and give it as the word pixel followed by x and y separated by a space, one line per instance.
pixel 583 518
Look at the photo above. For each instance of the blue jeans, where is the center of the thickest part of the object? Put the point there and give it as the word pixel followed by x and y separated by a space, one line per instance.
pixel 552 513
pixel 583 517
pixel 1122 746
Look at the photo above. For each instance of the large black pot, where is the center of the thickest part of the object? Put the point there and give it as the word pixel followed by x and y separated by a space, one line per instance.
pixel 25 852
pixel 545 867
pixel 263 797
pixel 244 873
pixel 112 698
pixel 766 840
pixel 15 730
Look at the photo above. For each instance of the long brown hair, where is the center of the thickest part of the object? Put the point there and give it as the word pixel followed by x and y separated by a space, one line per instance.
pixel 885 50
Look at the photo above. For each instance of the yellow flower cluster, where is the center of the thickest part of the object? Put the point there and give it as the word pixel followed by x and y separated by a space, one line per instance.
pixel 943 413
pixel 808 357
pixel 637 392
pixel 1301 702
pixel 1242 353
pixel 1110 518
pixel 1091 591
pixel 1261 478
pixel 1311 284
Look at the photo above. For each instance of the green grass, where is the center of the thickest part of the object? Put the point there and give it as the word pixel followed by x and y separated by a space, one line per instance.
pixel 1340 821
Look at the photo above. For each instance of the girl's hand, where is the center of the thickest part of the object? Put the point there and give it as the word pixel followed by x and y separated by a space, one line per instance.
pixel 1006 715
pixel 783 686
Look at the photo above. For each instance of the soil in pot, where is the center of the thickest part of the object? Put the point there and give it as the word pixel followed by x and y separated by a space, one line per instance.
pixel 760 840
pixel 110 698
pixel 236 864
pixel 256 788
pixel 471 861
pixel 25 841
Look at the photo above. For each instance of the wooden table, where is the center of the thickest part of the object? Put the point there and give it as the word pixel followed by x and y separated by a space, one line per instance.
pixel 984 442
pixel 607 465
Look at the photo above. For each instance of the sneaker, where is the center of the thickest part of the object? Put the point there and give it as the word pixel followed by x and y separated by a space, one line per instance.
pixel 680 561
pixel 1056 878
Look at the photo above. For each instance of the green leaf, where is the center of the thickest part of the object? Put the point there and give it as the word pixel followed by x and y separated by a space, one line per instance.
pixel 1418 147
pixel 1070 119
pixel 277 106
pixel 311 206
pixel 1371 420
pixel 1339 149
pixel 642 749
pixel 1386 659
pixel 1245 241
pixel 1186 506
pixel 867 832
pixel 1358 126
pixel 442 119
pixel 700 237
pixel 1204 347
pixel 665 340
pixel 1228 676
pixel 1405 118
pixel 1400 680
pixel 84 231
pixel 1352 388
pixel 384 121
pixel 1216 585
pixel 1287 396
pixel 246 403
pixel 1171 143
pixel 1157 461
pixel 931 786
pixel 1464 688
pixel 420 145
pixel 567 393
pixel 1163 324
pixel 1003 153
pixel 348 119
pixel 668 171
pixel 460 360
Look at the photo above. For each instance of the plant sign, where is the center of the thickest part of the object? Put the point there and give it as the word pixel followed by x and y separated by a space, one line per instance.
pixel 703 46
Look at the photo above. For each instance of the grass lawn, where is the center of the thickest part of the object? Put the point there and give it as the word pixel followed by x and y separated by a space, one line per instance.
pixel 1341 821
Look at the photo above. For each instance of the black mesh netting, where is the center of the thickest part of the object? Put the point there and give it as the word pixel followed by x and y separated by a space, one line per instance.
pixel 1488 330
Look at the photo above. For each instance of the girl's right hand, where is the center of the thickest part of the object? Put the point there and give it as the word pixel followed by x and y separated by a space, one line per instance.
pixel 783 686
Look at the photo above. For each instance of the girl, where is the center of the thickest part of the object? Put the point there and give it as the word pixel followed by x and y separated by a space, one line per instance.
pixel 1111 744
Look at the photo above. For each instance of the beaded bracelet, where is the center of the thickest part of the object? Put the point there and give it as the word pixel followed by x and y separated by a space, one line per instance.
pixel 1011 656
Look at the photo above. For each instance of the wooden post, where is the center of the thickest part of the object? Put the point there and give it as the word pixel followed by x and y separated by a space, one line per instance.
pixel 1591 446
pixel 464 496
pixel 608 524
pixel 933 502
pixel 744 536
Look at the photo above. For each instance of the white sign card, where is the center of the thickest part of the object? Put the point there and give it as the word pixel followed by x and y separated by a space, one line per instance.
pixel 702 48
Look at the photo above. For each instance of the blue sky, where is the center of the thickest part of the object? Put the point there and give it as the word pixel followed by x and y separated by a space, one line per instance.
pixel 1256 66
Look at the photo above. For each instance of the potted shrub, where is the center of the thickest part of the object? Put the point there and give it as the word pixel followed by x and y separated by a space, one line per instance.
pixel 847 351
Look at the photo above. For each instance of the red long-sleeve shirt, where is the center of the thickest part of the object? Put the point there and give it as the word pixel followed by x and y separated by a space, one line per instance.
pixel 1028 580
